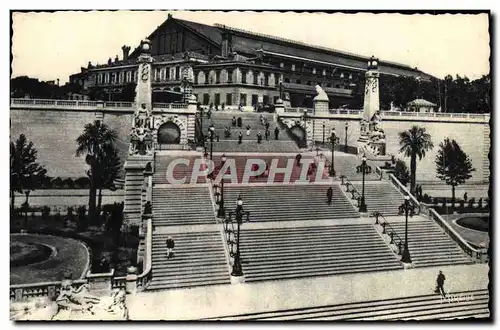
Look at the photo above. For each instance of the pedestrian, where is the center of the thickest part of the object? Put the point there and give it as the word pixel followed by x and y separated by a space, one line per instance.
pixel 217 137
pixel 259 137
pixel 240 137
pixel 440 283
pixel 465 197
pixel 267 133
pixel 248 130
pixel 209 113
pixel 297 159
pixel 276 133
pixel 240 124
pixel 233 121
pixel 329 195
pixel 170 247
pixel 267 124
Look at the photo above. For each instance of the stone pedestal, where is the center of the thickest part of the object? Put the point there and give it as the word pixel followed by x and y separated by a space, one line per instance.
pixel 131 280
pixel 280 107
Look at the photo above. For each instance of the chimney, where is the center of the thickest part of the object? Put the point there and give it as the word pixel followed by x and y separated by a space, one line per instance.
pixel 89 65
pixel 109 61
pixel 116 58
pixel 125 50
pixel 57 81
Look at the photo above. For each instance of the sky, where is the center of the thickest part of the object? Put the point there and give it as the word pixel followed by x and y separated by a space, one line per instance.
pixel 49 46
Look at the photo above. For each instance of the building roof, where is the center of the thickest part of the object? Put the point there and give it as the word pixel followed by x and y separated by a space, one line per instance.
pixel 210 32
pixel 421 103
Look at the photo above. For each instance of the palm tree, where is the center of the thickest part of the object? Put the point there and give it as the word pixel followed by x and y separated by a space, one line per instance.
pixel 414 142
pixel 96 141
pixel 110 165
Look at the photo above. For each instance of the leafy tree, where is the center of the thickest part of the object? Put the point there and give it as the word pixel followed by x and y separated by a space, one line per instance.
pixel 401 172
pixel 25 173
pixel 414 143
pixel 453 165
pixel 111 166
pixel 96 142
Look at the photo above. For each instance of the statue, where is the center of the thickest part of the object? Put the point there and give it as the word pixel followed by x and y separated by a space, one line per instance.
pixel 71 299
pixel 320 93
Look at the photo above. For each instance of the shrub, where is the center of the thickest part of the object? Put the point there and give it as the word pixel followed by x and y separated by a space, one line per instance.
pixel 70 214
pixel 426 198
pixel 471 202
pixel 46 182
pixel 435 201
pixel 56 183
pixel 68 184
pixel 45 212
pixel 82 183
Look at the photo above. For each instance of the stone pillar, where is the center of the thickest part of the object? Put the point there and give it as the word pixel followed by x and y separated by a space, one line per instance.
pixel 131 280
pixel 372 101
pixel 280 107
pixel 143 91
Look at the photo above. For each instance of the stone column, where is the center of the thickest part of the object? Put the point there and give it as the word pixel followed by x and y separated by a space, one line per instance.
pixel 372 100
pixel 321 102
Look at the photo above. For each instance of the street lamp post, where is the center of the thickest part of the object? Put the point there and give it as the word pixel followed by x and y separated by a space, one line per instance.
pixel 222 212
pixel 201 124
pixel 333 139
pixel 323 133
pixel 211 131
pixel 346 128
pixel 237 270
pixel 281 89
pixel 406 252
pixel 362 205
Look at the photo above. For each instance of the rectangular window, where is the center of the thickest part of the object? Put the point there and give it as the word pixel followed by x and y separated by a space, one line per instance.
pixel 243 77
pixel 229 76
pixel 243 100
pixel 172 74
pixel 206 98
pixel 122 74
pixel 217 99
pixel 229 99
pixel 177 73
pixel 129 76
pixel 266 99
pixel 275 99
pixel 106 78
pixel 282 65
pixel 324 72
pixel 135 75
pixel 293 67
pixel 99 78
pixel 255 99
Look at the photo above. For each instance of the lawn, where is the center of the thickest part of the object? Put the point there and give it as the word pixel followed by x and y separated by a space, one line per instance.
pixel 71 256
pixel 477 223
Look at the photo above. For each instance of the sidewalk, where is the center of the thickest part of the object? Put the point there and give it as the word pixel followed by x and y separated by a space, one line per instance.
pixel 213 301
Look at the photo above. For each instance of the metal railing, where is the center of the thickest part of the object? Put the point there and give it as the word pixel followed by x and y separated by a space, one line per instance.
pixel 480 255
pixel 355 195
pixel 402 189
pixel 388 230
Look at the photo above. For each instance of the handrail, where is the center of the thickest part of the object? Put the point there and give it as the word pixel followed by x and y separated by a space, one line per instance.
pixel 405 192
pixel 146 275
pixel 392 233
pixel 355 195
pixel 464 245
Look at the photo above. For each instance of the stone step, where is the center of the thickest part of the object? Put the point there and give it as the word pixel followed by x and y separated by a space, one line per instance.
pixel 419 307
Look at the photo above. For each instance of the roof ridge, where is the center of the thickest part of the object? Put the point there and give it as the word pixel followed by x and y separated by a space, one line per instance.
pixel 223 26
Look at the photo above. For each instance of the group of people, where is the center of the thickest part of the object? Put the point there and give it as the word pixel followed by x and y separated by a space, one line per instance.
pixel 239 123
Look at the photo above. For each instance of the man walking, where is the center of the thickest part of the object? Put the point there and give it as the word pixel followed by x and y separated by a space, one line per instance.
pixel 276 133
pixel 170 247
pixel 440 283
pixel 329 195
pixel 267 133
pixel 259 137
pixel 240 122
pixel 233 121
pixel 240 137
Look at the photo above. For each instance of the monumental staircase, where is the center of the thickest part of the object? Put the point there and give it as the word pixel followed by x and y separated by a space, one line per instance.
pixel 199 260
pixel 290 202
pixel 418 308
pixel 180 171
pixel 182 205
pixel 381 196
pixel 286 253
pixel 282 162
pixel 220 120
pixel 430 246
